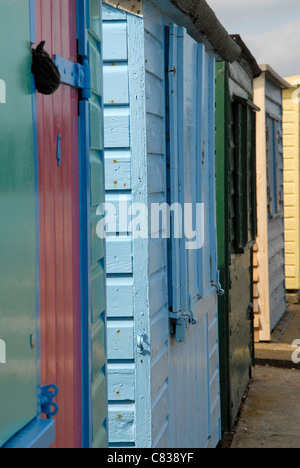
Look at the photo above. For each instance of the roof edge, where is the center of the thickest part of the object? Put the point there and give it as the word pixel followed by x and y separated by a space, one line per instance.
pixel 276 77
pixel 247 56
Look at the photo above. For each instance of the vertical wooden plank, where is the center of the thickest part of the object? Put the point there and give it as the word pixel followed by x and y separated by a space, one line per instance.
pixel 136 60
pixel 98 303
pixel 174 244
pixel 223 210
pixel 125 136
pixel 262 213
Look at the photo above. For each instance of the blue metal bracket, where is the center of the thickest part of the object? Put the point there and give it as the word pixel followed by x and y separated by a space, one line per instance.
pixel 181 322
pixel 74 74
pixel 48 407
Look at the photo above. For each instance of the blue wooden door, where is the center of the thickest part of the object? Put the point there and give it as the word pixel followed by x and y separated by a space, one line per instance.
pixel 94 397
pixel 194 377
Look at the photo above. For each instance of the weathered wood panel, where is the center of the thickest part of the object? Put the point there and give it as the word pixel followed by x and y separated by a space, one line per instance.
pixel 127 257
pixel 194 363
pixel 261 289
pixel 276 270
pixel 157 180
pixel 235 267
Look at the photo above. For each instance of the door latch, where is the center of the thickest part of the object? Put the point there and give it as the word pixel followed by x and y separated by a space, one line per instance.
pixel 216 284
pixel 180 322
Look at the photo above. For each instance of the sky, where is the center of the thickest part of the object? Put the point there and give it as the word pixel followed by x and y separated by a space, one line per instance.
pixel 270 29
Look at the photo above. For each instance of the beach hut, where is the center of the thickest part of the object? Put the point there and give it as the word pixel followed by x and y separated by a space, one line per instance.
pixel 269 258
pixel 159 108
pixel 53 363
pixel 236 224
pixel 291 155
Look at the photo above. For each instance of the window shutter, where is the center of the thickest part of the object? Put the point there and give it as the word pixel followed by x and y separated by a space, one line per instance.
pixel 175 137
pixel 245 173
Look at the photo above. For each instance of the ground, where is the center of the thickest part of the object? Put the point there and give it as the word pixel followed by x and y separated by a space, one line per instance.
pixel 270 411
pixel 270 417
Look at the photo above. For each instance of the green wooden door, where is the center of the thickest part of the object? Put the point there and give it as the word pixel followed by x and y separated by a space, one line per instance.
pixel 18 404
pixel 236 222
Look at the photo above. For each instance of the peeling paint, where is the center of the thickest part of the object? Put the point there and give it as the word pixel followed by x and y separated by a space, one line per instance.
pixel 134 7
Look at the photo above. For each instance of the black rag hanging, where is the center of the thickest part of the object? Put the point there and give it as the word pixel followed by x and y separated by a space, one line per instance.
pixel 47 76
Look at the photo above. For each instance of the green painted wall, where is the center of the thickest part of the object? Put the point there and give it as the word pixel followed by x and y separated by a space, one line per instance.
pixel 18 404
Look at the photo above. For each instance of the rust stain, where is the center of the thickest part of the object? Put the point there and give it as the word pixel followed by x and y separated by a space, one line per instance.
pixel 113 64
pixel 125 185
pixel 115 161
pixel 119 416
pixel 112 101
pixel 115 182
pixel 118 331
pixel 117 392
pixel 133 8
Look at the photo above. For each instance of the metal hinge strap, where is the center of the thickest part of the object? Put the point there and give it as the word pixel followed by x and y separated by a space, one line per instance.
pixel 74 74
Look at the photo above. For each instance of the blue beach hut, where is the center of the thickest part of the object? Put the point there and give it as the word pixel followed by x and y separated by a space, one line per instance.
pixel 159 106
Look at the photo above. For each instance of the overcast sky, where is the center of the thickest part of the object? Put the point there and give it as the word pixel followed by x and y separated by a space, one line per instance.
pixel 270 28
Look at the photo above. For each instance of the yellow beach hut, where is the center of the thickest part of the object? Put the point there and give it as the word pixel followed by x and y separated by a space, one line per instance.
pixel 291 152
pixel 269 293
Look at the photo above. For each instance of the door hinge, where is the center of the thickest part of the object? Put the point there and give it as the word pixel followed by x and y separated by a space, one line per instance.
pixel 75 74
pixel 48 406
